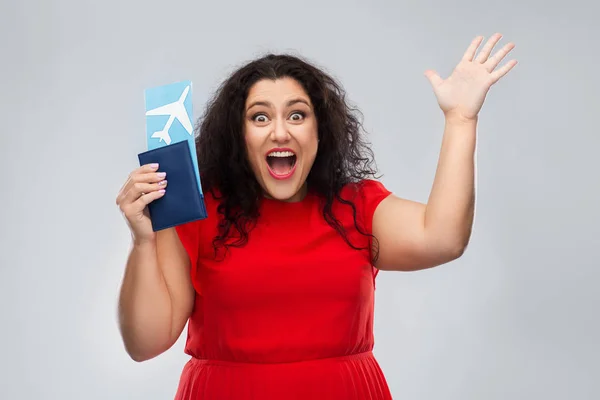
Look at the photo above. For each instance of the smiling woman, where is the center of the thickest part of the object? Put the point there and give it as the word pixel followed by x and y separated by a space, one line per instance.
pixel 270 107
pixel 281 137
pixel 277 284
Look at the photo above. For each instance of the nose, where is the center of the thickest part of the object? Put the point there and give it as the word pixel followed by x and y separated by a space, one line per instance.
pixel 280 133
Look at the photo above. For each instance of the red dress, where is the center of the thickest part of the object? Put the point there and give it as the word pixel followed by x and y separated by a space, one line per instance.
pixel 289 315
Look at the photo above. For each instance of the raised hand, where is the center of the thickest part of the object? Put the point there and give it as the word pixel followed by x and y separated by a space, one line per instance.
pixel 144 185
pixel 463 93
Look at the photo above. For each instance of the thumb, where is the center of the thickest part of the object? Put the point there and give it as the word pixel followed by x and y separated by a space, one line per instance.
pixel 433 77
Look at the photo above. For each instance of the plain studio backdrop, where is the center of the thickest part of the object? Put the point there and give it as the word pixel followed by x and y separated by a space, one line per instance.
pixel 516 317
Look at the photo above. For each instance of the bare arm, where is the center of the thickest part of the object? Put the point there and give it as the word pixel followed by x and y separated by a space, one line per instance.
pixel 415 236
pixel 156 296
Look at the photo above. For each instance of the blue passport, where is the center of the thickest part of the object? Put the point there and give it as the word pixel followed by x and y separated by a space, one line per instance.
pixel 171 144
pixel 182 201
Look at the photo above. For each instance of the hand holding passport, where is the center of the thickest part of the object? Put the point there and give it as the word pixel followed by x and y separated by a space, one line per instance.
pixel 171 144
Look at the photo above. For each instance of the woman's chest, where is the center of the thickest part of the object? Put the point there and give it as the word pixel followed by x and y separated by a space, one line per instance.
pixel 285 264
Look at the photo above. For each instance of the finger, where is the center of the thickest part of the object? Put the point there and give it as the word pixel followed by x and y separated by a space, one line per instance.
pixel 139 189
pixel 147 198
pixel 433 77
pixel 493 62
pixel 139 184
pixel 149 177
pixel 132 209
pixel 470 53
pixel 144 169
pixel 487 49
pixel 153 167
pixel 500 72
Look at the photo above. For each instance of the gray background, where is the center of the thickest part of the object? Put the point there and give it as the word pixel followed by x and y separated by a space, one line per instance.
pixel 516 317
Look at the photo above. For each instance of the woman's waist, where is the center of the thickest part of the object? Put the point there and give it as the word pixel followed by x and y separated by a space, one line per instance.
pixel 282 362
pixel 350 377
pixel 275 350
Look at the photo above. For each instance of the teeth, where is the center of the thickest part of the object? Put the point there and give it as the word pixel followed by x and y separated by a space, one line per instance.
pixel 281 154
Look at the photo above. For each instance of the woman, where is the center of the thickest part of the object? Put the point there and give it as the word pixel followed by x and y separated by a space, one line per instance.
pixel 277 283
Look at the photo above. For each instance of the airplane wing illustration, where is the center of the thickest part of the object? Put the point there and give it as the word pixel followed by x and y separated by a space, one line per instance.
pixel 176 109
pixel 167 109
pixel 182 116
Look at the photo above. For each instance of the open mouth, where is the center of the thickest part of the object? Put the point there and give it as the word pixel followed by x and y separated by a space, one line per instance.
pixel 281 163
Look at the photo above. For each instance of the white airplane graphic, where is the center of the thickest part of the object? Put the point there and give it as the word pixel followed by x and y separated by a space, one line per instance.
pixel 173 110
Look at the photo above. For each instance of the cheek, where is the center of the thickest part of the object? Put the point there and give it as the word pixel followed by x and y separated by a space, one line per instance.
pixel 254 144
pixel 311 143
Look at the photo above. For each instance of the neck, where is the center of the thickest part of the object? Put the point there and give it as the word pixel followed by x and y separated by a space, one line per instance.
pixel 298 196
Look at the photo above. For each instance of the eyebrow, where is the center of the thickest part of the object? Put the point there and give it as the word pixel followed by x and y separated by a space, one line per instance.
pixel 268 104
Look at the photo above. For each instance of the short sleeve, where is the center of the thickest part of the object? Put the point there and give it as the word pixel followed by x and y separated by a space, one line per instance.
pixel 371 193
pixel 189 235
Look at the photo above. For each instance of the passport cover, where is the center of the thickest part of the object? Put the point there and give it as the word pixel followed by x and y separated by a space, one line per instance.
pixel 182 201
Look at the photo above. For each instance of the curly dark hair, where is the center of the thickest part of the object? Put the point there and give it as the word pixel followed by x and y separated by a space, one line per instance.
pixel 343 156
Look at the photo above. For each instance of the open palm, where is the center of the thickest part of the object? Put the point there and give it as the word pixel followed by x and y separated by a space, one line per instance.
pixel 463 93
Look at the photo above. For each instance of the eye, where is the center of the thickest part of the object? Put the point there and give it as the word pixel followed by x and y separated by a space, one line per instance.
pixel 260 118
pixel 297 116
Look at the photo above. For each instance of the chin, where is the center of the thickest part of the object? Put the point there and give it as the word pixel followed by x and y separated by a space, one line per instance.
pixel 284 191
